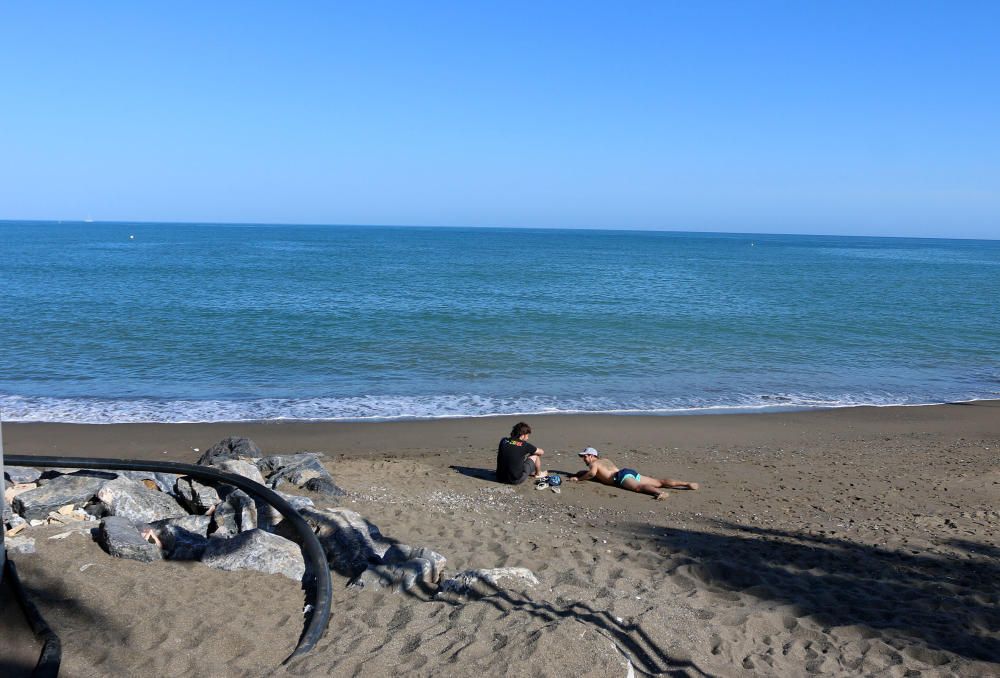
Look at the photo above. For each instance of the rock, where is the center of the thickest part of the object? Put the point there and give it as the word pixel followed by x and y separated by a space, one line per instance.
pixel 489 581
pixel 401 576
pixel 275 462
pixel 196 497
pixel 301 470
pixel 240 468
pixel 351 542
pixel 16 522
pixel 401 553
pixel 324 486
pixel 165 482
pixel 119 537
pixel 22 545
pixel 256 550
pixel 231 448
pixel 237 513
pixel 269 517
pixel 183 538
pixel 16 489
pixel 138 503
pixel 68 489
pixel 21 474
pixel 51 474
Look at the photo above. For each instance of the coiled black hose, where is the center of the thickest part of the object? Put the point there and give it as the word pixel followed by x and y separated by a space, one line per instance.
pixel 312 549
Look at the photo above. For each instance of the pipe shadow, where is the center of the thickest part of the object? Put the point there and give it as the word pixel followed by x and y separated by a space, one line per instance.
pixel 631 639
pixel 944 603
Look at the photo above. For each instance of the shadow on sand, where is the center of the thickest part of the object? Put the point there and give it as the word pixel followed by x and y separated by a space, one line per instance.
pixel 942 602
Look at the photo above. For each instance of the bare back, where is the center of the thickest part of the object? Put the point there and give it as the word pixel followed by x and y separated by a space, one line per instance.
pixel 604 471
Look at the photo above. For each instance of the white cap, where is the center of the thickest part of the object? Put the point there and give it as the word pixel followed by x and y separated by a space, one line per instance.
pixel 589 451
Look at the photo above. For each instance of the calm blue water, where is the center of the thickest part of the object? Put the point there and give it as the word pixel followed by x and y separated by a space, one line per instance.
pixel 210 322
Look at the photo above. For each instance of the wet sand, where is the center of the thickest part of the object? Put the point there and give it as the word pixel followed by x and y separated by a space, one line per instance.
pixel 843 542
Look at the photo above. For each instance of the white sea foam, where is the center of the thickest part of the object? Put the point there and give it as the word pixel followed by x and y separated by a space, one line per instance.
pixel 385 408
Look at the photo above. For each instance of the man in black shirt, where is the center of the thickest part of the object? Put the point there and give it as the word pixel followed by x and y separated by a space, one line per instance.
pixel 517 459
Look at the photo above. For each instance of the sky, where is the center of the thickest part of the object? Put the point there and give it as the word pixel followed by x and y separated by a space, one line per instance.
pixel 859 118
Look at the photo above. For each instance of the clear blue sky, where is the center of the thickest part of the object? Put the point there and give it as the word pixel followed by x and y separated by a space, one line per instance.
pixel 878 118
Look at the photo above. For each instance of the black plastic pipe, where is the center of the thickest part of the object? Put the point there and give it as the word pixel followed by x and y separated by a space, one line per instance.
pixel 312 549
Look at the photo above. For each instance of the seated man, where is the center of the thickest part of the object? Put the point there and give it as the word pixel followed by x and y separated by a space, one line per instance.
pixel 605 472
pixel 517 459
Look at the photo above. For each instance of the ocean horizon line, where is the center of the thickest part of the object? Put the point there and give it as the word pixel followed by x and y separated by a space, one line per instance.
pixel 495 228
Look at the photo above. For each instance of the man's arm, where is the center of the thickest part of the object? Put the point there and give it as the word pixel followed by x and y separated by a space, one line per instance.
pixel 584 475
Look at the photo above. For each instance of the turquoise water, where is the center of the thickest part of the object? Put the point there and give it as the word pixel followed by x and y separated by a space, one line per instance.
pixel 215 322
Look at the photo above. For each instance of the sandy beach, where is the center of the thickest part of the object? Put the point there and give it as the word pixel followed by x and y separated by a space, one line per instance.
pixel 859 541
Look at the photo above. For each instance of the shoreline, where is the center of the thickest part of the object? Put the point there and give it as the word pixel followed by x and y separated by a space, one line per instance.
pixel 410 436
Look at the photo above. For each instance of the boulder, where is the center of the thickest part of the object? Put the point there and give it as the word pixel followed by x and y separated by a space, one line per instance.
pixel 240 468
pixel 489 581
pixel 56 493
pixel 256 550
pixel 14 521
pixel 402 568
pixel 275 462
pixel 269 517
pixel 137 503
pixel 324 486
pixel 165 482
pixel 231 448
pixel 351 543
pixel 20 544
pixel 51 474
pixel 183 538
pixel 119 537
pixel 21 474
pixel 196 497
pixel 237 513
pixel 301 470
pixel 401 553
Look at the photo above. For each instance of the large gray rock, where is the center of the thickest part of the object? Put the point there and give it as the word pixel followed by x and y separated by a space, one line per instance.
pixel 50 474
pixel 119 537
pixel 165 482
pixel 256 550
pixel 403 568
pixel 268 517
pixel 57 492
pixel 196 497
pixel 20 544
pixel 240 468
pixel 231 448
pixel 22 474
pixel 301 470
pixel 402 553
pixel 183 538
pixel 489 581
pixel 237 513
pixel 137 503
pixel 351 543
pixel 275 462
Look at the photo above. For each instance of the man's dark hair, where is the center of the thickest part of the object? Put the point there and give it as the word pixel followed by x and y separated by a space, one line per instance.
pixel 519 430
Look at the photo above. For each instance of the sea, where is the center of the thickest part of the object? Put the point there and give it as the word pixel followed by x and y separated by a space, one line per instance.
pixel 161 322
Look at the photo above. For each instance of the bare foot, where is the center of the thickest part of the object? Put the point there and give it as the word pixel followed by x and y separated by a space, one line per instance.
pixel 662 495
pixel 693 486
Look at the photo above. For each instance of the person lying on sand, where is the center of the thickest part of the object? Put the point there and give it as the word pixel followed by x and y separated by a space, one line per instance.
pixel 517 459
pixel 602 470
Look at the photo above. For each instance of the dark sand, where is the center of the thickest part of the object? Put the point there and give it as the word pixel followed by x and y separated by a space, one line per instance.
pixel 843 542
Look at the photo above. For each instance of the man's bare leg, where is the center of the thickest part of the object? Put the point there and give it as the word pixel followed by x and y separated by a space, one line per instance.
pixel 676 484
pixel 538 465
pixel 648 486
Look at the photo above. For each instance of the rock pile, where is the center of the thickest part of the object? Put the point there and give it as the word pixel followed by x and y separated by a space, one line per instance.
pixel 153 516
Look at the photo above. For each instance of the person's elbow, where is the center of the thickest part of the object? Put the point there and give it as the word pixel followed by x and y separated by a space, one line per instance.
pixel 539 451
